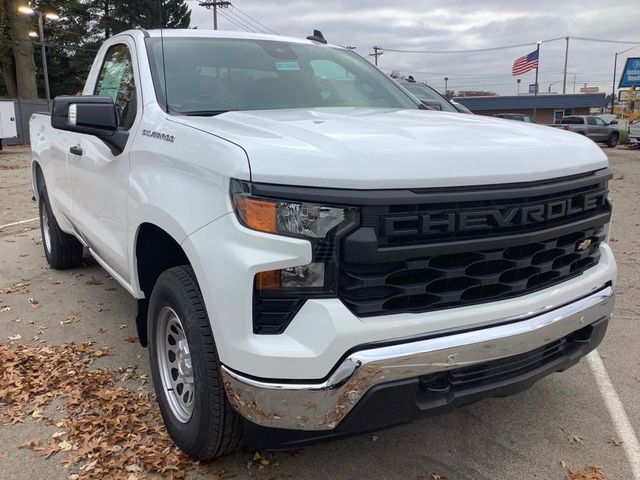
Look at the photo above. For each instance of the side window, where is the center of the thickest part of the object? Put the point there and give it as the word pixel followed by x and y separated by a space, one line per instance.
pixel 591 121
pixel 116 81
pixel 600 122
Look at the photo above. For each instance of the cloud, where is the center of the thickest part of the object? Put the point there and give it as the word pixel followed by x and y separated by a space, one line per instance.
pixel 451 25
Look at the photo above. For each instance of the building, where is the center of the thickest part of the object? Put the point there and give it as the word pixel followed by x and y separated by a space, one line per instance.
pixel 545 108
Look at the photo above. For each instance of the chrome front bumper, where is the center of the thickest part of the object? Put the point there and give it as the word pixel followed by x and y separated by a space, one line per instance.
pixel 322 405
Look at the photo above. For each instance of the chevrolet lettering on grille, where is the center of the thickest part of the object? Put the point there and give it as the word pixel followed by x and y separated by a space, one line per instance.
pixel 451 221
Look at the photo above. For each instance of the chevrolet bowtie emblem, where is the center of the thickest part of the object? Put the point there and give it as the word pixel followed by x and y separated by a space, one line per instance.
pixel 583 245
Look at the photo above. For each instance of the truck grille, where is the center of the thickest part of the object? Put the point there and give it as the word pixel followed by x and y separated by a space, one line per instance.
pixel 409 268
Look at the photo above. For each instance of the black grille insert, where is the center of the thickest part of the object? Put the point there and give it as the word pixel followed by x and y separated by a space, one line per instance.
pixel 431 283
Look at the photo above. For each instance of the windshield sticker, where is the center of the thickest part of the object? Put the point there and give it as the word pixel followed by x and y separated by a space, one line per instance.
pixel 287 66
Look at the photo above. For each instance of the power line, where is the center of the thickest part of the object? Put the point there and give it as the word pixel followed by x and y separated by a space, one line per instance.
pixel 476 50
pixel 234 22
pixel 603 40
pixel 254 20
pixel 245 22
pixel 504 47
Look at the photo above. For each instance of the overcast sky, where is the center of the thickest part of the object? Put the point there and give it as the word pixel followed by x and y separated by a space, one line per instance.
pixel 455 25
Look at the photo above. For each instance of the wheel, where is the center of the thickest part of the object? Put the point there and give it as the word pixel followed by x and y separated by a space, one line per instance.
pixel 61 249
pixel 613 140
pixel 186 369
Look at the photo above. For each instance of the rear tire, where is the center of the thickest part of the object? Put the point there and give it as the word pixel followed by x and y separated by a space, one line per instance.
pixel 613 140
pixel 61 249
pixel 186 369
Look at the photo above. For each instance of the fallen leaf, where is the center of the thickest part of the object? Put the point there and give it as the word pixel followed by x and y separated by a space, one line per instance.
pixel 34 303
pixel 71 318
pixel 614 442
pixel 102 330
pixel 592 472
pixel 132 339
pixel 17 336
pixel 575 439
pixel 5 308
pixel 93 281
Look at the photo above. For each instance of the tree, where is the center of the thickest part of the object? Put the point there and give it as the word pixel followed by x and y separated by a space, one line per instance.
pixel 116 16
pixel 476 93
pixel 22 49
pixel 7 72
pixel 73 40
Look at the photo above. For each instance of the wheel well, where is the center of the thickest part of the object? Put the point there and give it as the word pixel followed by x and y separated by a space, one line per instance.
pixel 39 178
pixel 156 251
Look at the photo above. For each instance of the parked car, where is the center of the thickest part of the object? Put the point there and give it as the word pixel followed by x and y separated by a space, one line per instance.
pixel 313 254
pixel 613 121
pixel 634 131
pixel 522 117
pixel 429 96
pixel 592 127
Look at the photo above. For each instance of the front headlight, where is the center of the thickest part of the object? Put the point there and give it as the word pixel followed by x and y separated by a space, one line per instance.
pixel 321 225
pixel 296 219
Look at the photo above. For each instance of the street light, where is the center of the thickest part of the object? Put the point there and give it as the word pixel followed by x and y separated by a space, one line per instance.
pixel 25 10
pixel 518 80
pixel 553 83
pixel 615 64
pixel 446 79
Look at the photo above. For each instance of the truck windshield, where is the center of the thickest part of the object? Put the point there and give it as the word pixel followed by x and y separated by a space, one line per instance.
pixel 207 76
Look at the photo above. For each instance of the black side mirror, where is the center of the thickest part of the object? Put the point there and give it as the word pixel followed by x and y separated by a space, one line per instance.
pixel 90 115
pixel 431 104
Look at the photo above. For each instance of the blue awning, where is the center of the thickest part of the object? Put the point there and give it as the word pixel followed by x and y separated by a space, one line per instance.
pixel 515 102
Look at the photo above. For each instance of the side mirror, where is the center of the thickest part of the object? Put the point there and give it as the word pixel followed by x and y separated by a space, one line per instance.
pixel 91 115
pixel 432 104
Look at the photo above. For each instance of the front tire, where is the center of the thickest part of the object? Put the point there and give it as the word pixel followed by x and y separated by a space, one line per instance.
pixel 613 140
pixel 186 369
pixel 61 250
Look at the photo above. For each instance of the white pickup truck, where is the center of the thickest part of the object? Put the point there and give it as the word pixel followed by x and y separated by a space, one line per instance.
pixel 313 253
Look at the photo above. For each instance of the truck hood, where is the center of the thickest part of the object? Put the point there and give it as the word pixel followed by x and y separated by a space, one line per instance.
pixel 381 148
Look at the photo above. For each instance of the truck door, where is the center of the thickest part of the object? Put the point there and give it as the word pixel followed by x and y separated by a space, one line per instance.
pixel 603 130
pixel 97 176
pixel 594 132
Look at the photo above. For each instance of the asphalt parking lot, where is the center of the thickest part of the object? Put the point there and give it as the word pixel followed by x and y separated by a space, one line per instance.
pixel 559 426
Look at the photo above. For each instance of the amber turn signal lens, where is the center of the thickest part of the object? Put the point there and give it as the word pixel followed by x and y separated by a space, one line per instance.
pixel 268 280
pixel 257 214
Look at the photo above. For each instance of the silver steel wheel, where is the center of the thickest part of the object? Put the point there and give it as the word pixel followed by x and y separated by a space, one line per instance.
pixel 46 233
pixel 174 364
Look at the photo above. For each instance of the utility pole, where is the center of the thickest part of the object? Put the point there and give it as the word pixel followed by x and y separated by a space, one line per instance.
pixel 518 82
pixel 446 79
pixel 215 4
pixel 537 68
pixel 613 89
pixel 566 59
pixel 377 51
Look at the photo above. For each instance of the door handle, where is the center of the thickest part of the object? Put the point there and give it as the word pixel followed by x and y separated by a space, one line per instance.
pixel 76 150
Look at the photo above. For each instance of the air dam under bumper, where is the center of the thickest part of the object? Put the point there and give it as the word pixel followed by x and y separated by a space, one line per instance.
pixel 323 405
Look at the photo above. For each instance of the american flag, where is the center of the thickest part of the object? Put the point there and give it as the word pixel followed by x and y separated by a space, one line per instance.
pixel 526 63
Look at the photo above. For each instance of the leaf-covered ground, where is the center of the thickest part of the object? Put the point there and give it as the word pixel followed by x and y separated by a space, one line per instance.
pixel 103 427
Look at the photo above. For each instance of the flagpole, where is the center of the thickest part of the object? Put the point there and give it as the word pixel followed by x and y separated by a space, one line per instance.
pixel 537 64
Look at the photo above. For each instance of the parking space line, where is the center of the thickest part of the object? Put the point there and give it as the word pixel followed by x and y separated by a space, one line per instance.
pixel 19 223
pixel 614 405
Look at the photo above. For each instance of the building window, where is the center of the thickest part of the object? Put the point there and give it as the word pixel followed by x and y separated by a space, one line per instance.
pixel 559 114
